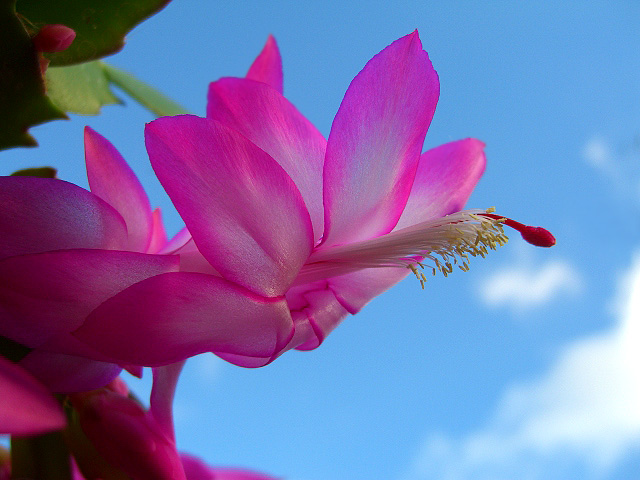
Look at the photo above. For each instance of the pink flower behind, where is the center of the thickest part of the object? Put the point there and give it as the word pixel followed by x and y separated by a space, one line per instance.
pixel 27 407
pixel 64 251
pixel 309 229
pixel 53 38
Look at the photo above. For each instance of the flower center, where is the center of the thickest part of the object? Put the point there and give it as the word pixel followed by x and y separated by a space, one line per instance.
pixel 438 244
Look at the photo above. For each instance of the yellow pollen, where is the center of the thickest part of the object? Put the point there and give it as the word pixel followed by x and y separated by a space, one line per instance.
pixel 472 236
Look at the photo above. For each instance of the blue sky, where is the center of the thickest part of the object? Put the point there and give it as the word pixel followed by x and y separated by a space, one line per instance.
pixel 524 367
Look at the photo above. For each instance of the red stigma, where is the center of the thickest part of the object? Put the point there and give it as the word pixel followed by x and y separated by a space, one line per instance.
pixel 538 236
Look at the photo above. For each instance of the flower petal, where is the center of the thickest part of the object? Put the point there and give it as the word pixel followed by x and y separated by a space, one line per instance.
pixel 320 309
pixel 165 380
pixel 51 293
pixel 267 67
pixel 270 121
pixel 158 239
pixel 111 179
pixel 40 214
pixel 244 212
pixel 375 142
pixel 69 373
pixel 27 407
pixel 126 435
pixel 444 181
pixel 170 317
pixel 355 290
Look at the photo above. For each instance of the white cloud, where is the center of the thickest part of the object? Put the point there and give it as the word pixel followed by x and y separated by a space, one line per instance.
pixel 525 286
pixel 598 153
pixel 619 165
pixel 584 413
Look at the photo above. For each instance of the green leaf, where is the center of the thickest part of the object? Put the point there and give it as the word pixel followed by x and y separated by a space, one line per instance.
pixel 42 172
pixel 80 88
pixel 23 102
pixel 100 25
pixel 150 98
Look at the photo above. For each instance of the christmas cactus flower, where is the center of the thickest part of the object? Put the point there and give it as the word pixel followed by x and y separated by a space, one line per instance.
pixel 112 436
pixel 63 252
pixel 27 407
pixel 292 232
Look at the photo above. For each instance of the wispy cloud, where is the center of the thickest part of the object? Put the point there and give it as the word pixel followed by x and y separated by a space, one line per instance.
pixel 526 285
pixel 582 413
pixel 619 163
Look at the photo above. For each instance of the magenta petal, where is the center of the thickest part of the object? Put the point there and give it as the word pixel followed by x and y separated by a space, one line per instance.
pixel 271 122
pixel 165 380
pixel 445 178
pixel 244 212
pixel 170 317
pixel 112 179
pixel 68 373
pixel 355 290
pixel 40 214
pixel 158 239
pixel 26 407
pixel 177 242
pixel 126 435
pixel 267 67
pixel 324 312
pixel 51 293
pixel 375 142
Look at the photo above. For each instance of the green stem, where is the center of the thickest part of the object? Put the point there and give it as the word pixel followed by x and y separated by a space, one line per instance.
pixel 147 96
pixel 44 457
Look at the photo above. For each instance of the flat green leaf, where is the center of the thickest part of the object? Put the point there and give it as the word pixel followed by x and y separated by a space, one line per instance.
pixel 80 88
pixel 100 25
pixel 42 172
pixel 23 102
pixel 150 98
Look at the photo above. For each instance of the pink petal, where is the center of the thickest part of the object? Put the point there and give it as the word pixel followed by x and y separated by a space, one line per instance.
pixel 40 214
pixel 47 294
pixel 316 312
pixel 267 67
pixel 170 317
pixel 191 260
pixel 112 179
pixel 53 38
pixel 126 436
pixel 27 407
pixel 271 122
pixel 445 178
pixel 245 214
pixel 375 142
pixel 165 380
pixel 355 290
pixel 178 241
pixel 158 239
pixel 62 373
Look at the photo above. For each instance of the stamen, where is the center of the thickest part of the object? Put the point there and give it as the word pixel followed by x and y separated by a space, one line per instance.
pixel 438 244
pixel 538 236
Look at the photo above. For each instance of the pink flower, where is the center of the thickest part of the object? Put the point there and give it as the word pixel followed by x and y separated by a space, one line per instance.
pixel 290 233
pixel 53 38
pixel 125 436
pixel 27 407
pixel 63 252
pixel 112 434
